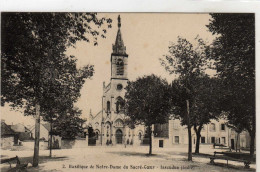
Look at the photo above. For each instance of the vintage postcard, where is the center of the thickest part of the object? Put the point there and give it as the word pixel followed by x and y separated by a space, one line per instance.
pixel 84 91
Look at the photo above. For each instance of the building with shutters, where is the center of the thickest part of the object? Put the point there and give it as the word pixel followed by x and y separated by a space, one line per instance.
pixel 216 132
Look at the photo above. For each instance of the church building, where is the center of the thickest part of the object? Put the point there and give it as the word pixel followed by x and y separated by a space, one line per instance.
pixel 109 124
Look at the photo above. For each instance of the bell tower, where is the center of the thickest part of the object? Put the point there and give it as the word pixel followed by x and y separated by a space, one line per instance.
pixel 119 58
pixel 112 117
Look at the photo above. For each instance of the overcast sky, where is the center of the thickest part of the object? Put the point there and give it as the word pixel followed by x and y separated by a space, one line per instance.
pixel 146 37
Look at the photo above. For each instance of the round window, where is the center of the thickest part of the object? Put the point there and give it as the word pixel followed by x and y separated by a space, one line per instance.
pixel 119 87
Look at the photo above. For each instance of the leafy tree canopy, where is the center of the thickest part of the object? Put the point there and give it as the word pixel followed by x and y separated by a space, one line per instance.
pixel 69 125
pixel 234 55
pixel 147 100
pixel 35 67
pixel 189 63
pixel 205 100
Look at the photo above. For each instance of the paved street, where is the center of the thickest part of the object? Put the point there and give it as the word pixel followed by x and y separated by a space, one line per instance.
pixel 119 158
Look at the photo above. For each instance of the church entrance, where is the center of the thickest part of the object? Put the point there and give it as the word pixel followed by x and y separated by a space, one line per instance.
pixel 119 136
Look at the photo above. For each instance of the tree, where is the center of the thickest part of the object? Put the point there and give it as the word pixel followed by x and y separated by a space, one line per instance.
pixel 64 120
pixel 35 65
pixel 147 102
pixel 205 103
pixel 238 130
pixel 234 54
pixel 181 108
pixel 62 93
pixel 69 125
pixel 206 108
pixel 33 42
pixel 189 64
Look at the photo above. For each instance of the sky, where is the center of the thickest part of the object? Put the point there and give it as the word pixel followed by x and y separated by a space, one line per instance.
pixel 146 37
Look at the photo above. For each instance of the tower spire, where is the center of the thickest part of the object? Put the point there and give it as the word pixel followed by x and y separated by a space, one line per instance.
pixel 90 114
pixel 119 22
pixel 118 47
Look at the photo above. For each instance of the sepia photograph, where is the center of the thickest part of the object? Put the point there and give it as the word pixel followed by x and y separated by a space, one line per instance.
pixel 128 91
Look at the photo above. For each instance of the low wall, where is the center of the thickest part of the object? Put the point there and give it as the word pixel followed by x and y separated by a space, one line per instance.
pixel 43 145
pixel 7 142
pixel 77 143
pixel 23 145
pixel 30 145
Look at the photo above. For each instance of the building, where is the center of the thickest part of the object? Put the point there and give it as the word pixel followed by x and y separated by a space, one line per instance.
pixel 23 132
pixel 8 137
pixel 45 129
pixel 216 132
pixel 109 124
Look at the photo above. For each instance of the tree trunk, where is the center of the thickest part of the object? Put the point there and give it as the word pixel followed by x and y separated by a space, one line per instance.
pixel 150 140
pixel 37 136
pixel 198 135
pixel 197 150
pixel 237 141
pixel 189 132
pixel 51 139
pixel 252 144
pixel 190 145
pixel 239 146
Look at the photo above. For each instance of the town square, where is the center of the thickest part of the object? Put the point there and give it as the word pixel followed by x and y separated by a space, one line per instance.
pixel 128 91
pixel 136 158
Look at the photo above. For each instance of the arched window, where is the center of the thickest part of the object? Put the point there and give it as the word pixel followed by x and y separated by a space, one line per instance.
pixel 108 106
pixel 97 135
pixel 117 106
pixel 140 136
pixel 119 123
pixel 120 67
pixel 120 104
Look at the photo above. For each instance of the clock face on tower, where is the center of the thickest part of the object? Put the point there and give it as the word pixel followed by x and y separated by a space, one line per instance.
pixel 119 87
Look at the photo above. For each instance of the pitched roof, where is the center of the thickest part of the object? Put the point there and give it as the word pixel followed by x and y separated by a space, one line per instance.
pixel 97 114
pixel 47 126
pixel 29 126
pixel 118 47
pixel 18 127
pixel 6 130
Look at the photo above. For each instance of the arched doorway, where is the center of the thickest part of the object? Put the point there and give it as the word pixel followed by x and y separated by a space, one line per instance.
pixel 91 137
pixel 119 136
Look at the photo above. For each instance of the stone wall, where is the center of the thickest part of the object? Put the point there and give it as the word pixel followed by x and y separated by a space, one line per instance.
pixel 76 143
pixel 7 142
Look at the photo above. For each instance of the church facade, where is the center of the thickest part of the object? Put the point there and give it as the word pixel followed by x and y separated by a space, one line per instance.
pixel 109 124
pixel 110 128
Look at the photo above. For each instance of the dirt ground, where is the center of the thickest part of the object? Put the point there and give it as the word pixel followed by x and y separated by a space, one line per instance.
pixel 119 158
